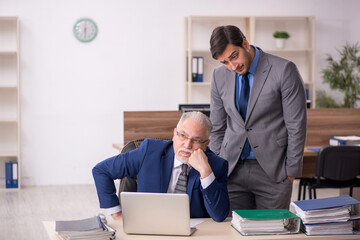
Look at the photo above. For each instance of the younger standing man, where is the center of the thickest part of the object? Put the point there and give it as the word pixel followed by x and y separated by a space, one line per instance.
pixel 258 112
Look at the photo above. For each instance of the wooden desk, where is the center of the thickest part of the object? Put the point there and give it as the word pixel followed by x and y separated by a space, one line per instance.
pixel 208 230
pixel 310 153
pixel 309 163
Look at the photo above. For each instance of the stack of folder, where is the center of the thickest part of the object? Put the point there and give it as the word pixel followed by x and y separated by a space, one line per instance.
pixel 265 221
pixel 89 228
pixel 328 216
pixel 344 140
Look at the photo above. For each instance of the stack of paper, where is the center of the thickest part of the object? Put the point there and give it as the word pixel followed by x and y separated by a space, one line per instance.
pixel 89 228
pixel 344 140
pixel 329 229
pixel 336 215
pixel 265 221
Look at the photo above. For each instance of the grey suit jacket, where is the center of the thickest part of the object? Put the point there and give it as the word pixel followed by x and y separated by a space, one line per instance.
pixel 275 120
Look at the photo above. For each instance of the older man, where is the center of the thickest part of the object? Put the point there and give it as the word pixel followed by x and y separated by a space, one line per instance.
pixel 159 164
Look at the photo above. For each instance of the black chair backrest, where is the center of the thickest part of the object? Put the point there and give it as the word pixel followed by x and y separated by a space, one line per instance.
pixel 129 184
pixel 132 145
pixel 339 163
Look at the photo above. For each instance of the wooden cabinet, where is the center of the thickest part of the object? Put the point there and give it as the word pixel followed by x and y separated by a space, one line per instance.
pixel 9 95
pixel 299 48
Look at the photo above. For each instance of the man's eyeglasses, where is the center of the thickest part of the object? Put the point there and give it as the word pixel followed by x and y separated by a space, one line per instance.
pixel 196 141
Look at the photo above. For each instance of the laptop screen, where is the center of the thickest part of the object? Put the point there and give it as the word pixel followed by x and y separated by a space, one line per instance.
pixel 155 213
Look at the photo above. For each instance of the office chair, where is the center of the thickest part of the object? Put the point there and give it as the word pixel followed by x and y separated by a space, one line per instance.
pixel 336 167
pixel 302 187
pixel 129 184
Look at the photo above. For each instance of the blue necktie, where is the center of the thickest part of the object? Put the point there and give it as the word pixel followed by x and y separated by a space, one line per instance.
pixel 243 103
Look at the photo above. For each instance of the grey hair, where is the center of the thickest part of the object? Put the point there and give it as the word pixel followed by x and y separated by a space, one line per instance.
pixel 198 117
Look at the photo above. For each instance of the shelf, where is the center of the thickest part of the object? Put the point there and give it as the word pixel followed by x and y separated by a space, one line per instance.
pixel 9 154
pixel 9 95
pixel 288 50
pixel 207 19
pixel 204 51
pixel 9 120
pixel 8 53
pixel 207 51
pixel 282 18
pixel 199 83
pixel 9 18
pixel 8 87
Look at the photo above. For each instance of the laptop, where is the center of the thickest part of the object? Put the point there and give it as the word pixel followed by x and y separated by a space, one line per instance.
pixel 156 213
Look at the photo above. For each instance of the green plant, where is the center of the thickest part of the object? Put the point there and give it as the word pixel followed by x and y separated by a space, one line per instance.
pixel 345 74
pixel 281 34
pixel 325 101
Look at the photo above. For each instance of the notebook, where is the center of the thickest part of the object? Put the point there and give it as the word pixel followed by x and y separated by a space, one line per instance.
pixel 156 213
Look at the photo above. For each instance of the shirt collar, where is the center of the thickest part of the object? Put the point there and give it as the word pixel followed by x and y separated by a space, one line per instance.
pixel 255 61
pixel 177 163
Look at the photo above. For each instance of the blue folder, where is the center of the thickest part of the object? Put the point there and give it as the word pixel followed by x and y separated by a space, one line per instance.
pixel 323 203
pixel 11 175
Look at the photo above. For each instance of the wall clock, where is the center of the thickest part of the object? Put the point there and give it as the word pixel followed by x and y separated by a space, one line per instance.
pixel 85 29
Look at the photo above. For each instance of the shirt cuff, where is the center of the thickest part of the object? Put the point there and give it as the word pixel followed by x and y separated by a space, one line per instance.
pixel 113 210
pixel 207 181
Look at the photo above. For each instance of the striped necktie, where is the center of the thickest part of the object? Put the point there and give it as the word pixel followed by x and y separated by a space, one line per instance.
pixel 182 180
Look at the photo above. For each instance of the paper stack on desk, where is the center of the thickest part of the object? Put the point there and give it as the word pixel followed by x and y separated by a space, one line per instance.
pixel 328 216
pixel 89 228
pixel 265 221
pixel 344 140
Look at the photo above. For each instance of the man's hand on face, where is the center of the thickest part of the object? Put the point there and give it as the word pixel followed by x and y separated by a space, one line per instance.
pixel 199 161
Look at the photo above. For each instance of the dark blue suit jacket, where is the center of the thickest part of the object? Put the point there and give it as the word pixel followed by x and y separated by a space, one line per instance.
pixel 153 162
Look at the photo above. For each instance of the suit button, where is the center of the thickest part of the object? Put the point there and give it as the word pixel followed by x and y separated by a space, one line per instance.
pixel 248 129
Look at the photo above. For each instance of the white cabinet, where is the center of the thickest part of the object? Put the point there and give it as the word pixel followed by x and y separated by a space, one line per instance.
pixel 299 48
pixel 9 95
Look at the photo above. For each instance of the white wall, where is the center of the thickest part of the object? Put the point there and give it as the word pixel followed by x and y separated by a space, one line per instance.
pixel 73 94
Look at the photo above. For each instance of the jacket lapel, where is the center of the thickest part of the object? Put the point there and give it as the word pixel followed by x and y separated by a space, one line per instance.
pixel 193 174
pixel 231 89
pixel 260 77
pixel 167 162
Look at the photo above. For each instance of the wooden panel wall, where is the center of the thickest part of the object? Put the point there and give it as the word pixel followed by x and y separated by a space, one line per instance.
pixel 325 123
pixel 322 124
pixel 150 124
